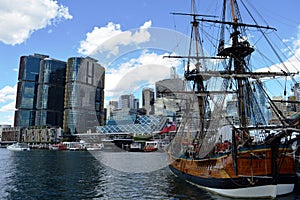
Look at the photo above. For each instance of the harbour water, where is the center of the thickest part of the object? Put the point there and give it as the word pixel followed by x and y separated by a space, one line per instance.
pixel 43 174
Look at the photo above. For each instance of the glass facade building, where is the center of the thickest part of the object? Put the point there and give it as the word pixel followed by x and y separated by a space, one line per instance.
pixel 28 77
pixel 50 93
pixel 62 94
pixel 84 95
pixel 127 101
pixel 40 92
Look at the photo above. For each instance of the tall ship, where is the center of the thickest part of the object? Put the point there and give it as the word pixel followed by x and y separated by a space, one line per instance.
pixel 246 154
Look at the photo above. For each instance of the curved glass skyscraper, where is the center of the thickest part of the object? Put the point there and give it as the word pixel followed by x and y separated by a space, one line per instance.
pixel 84 95
pixel 40 93
pixel 50 93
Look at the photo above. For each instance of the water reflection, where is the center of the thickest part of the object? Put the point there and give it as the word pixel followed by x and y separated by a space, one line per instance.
pixel 78 175
pixel 132 162
pixel 52 175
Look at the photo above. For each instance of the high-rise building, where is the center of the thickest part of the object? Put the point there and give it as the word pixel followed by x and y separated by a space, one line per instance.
pixel 291 106
pixel 40 91
pixel 260 114
pixel 126 101
pixel 232 110
pixel 113 105
pixel 173 73
pixel 84 95
pixel 281 106
pixel 55 93
pixel 50 93
pixel 167 96
pixel 169 87
pixel 297 95
pixel 136 103
pixel 148 100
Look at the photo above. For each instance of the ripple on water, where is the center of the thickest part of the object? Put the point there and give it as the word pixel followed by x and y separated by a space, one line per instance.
pixel 78 175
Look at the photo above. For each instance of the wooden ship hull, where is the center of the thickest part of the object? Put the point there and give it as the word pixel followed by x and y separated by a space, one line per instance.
pixel 254 175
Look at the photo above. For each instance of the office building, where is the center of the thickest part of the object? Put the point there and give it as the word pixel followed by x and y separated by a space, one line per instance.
pixel 54 93
pixel 148 100
pixel 84 95
pixel 40 91
pixel 126 101
pixel 281 106
pixel 168 96
pixel 232 111
pixel 50 93
pixel 259 113
pixel 136 103
pixel 113 105
pixel 297 95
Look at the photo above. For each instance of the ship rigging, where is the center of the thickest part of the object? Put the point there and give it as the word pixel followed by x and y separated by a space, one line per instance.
pixel 220 154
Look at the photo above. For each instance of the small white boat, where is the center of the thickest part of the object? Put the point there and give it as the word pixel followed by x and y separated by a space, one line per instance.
pixel 19 147
pixel 94 147
pixel 74 146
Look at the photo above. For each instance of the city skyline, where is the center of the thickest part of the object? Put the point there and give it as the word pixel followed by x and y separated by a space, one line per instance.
pixel 85 28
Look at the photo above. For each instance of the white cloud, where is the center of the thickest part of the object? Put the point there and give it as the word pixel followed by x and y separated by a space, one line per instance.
pixel 19 19
pixel 8 93
pixel 111 37
pixel 7 118
pixel 7 100
pixel 292 63
pixel 130 76
pixel 8 107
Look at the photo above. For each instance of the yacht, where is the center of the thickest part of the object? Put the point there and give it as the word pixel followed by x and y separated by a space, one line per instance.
pixel 19 147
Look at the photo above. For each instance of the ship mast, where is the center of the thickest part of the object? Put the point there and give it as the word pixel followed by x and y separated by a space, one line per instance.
pixel 238 67
pixel 194 75
pixel 238 51
pixel 196 55
pixel 198 80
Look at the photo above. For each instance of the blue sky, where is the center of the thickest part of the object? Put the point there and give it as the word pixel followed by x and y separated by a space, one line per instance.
pixel 67 28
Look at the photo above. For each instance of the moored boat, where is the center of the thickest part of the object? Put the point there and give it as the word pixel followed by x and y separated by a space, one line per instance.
pixel 74 146
pixel 150 146
pixel 136 146
pixel 58 147
pixel 93 146
pixel 18 147
pixel 243 155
